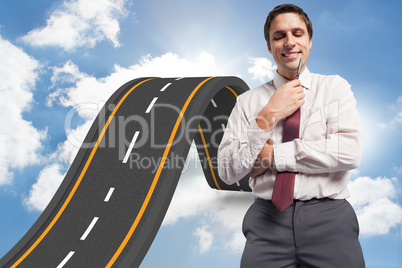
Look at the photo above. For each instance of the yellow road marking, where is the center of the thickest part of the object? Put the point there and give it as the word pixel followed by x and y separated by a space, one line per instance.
pixel 234 92
pixel 156 178
pixel 152 188
pixel 79 179
pixel 206 149
pixel 208 158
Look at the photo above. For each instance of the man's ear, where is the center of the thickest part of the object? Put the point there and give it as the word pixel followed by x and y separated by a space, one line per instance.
pixel 269 47
pixel 311 44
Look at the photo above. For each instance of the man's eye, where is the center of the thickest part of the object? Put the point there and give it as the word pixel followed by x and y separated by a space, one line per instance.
pixel 278 37
pixel 298 34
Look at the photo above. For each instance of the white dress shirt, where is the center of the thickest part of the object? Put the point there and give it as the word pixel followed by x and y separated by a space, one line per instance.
pixel 329 147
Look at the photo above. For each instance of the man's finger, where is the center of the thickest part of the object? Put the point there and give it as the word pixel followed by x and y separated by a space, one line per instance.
pixel 299 89
pixel 295 83
pixel 301 95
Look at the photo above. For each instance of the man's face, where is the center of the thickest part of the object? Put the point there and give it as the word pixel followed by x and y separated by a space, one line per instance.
pixel 289 40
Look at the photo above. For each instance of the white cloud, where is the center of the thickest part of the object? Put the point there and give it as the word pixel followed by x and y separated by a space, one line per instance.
pixel 191 184
pixel 366 189
pixel 374 201
pixel 221 212
pixel 89 93
pixel 397 168
pixel 89 89
pixel 69 73
pixel 378 217
pixel 65 75
pixel 262 69
pixel 80 23
pixel 236 244
pixel 52 175
pixel 397 120
pixel 205 239
pixel 20 142
pixel 43 190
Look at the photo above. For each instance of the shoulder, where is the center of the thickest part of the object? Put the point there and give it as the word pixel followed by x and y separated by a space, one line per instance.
pixel 253 101
pixel 331 83
pixel 329 79
pixel 262 91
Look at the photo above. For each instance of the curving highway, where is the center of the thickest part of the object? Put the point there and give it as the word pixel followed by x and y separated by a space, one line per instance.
pixel 114 197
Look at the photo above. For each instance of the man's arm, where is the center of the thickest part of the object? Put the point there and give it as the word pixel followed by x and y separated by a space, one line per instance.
pixel 241 143
pixel 245 138
pixel 341 147
pixel 265 160
pixel 285 101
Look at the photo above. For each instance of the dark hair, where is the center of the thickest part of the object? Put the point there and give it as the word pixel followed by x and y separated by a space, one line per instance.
pixel 287 8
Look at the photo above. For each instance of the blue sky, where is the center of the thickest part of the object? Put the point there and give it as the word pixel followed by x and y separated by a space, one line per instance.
pixel 59 56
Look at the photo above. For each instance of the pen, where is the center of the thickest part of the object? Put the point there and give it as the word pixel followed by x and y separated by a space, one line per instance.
pixel 298 69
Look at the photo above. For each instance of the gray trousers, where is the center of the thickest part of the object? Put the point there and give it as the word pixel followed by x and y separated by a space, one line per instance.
pixel 317 233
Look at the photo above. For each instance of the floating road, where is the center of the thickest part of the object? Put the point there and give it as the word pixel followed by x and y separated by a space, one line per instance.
pixel 115 195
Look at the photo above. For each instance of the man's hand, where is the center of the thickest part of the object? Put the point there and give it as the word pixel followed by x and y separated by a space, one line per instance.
pixel 264 160
pixel 283 103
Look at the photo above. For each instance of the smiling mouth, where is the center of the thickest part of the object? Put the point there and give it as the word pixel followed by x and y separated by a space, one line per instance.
pixel 294 54
pixel 291 54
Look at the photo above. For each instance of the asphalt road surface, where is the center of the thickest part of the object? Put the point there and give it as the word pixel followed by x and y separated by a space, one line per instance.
pixel 112 201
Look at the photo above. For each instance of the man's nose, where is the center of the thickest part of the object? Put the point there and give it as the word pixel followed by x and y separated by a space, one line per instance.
pixel 289 42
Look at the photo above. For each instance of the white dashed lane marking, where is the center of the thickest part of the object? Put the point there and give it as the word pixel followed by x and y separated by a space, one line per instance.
pixel 91 225
pixel 66 259
pixel 165 87
pixel 109 194
pixel 151 105
pixel 214 103
pixel 130 148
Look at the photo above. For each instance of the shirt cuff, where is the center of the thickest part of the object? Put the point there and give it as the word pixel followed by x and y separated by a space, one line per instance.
pixel 284 157
pixel 256 137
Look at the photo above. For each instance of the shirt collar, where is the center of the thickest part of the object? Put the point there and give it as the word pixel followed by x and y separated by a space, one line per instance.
pixel 305 79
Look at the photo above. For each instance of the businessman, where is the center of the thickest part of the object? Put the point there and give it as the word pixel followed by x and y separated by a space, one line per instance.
pixel 298 136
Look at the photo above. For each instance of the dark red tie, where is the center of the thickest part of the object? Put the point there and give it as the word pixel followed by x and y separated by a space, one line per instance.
pixel 282 196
